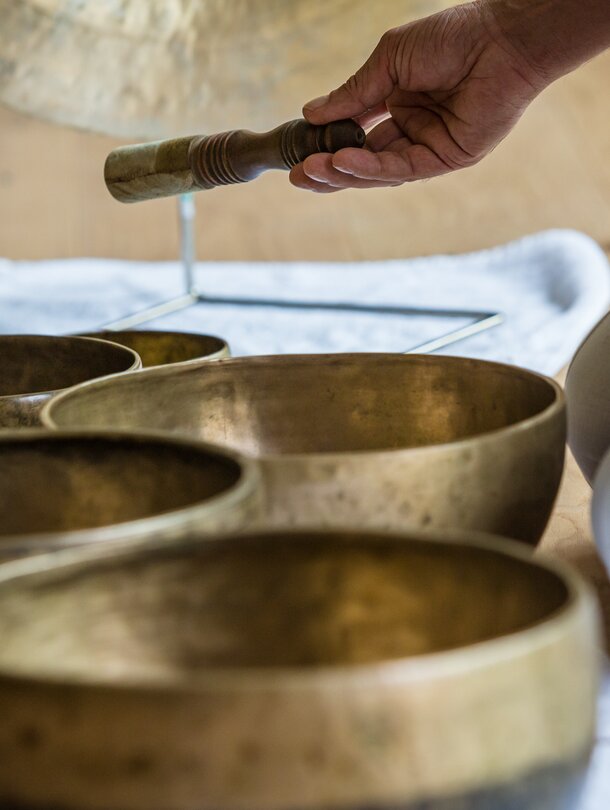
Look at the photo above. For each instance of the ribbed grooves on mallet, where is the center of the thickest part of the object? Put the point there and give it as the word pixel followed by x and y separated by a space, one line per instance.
pixel 210 163
pixel 288 145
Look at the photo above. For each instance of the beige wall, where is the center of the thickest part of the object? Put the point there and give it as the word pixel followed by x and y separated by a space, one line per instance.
pixel 553 171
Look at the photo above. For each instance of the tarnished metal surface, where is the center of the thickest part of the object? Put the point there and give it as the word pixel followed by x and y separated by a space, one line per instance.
pixel 383 441
pixel 294 672
pixel 157 348
pixel 588 396
pixel 79 488
pixel 34 367
pixel 154 68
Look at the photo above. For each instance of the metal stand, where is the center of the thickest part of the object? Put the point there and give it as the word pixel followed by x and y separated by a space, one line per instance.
pixel 480 321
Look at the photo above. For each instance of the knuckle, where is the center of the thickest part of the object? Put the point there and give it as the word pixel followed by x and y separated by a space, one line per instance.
pixel 388 45
pixel 389 39
pixel 354 86
pixel 462 160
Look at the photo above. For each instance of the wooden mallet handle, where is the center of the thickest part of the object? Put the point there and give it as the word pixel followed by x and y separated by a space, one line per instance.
pixel 151 170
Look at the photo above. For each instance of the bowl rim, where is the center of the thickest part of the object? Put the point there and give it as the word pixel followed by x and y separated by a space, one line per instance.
pixel 555 409
pixel 580 600
pixel 136 365
pixel 248 483
pixel 223 351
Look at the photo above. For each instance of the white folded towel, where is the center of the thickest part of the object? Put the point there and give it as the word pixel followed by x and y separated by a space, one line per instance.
pixel 552 287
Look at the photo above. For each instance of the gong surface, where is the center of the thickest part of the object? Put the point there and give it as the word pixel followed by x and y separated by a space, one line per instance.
pixel 154 68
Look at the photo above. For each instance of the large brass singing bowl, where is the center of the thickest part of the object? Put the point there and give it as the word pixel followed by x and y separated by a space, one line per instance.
pixel 296 672
pixel 157 348
pixel 375 440
pixel 79 488
pixel 34 367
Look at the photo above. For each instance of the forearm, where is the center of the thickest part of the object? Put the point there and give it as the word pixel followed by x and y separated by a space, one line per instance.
pixel 552 36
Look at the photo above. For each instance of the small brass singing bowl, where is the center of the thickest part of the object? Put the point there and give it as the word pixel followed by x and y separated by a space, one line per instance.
pixel 296 671
pixel 380 441
pixel 158 348
pixel 34 367
pixel 61 489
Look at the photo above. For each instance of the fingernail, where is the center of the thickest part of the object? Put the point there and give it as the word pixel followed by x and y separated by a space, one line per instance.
pixel 317 178
pixel 316 103
pixel 339 168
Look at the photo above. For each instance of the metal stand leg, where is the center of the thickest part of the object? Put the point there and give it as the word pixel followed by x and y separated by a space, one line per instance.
pixel 480 321
pixel 186 216
pixel 186 222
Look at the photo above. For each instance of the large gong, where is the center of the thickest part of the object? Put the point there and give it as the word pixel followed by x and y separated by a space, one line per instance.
pixel 154 68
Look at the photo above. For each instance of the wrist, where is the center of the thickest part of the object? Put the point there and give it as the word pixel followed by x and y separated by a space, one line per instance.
pixel 549 37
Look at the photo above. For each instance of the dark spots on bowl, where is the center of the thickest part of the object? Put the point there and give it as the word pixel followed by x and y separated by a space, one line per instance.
pixel 29 737
pixel 250 753
pixel 139 765
pixel 315 756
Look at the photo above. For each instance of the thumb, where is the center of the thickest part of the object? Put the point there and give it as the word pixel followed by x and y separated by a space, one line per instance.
pixel 366 89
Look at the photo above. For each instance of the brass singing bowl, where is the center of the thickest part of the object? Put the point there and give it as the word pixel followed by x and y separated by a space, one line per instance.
pixel 34 367
pixel 588 397
pixel 379 440
pixel 157 348
pixel 296 671
pixel 79 488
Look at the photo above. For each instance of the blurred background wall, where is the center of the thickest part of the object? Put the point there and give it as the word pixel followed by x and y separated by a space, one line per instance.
pixel 553 171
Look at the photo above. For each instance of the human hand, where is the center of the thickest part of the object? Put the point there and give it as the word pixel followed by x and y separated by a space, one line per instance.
pixel 439 94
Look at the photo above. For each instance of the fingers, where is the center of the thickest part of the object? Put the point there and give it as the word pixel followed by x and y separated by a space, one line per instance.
pixel 299 179
pixel 373 116
pixel 383 135
pixel 318 174
pixel 378 166
pixel 402 162
pixel 363 93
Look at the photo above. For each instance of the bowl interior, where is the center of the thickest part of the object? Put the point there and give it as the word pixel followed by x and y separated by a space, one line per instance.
pixel 36 363
pixel 316 403
pixel 53 484
pixel 269 602
pixel 160 348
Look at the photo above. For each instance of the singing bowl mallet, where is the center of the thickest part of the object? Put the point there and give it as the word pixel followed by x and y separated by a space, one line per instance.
pixel 165 168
